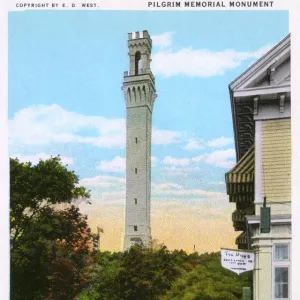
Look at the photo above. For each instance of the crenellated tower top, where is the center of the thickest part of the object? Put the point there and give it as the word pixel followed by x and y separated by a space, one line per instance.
pixel 139 82
pixel 139 46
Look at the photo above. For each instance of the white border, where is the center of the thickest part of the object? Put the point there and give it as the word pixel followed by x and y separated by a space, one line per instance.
pixel 295 109
pixel 4 165
pixel 292 5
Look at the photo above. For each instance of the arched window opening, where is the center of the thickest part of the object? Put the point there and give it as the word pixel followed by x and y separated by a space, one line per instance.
pixel 151 96
pixel 129 95
pixel 139 95
pixel 134 94
pixel 138 63
pixel 144 94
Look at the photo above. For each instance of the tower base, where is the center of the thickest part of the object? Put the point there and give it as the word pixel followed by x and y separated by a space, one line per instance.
pixel 131 240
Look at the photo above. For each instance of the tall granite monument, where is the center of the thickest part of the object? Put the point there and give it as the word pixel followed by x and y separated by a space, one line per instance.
pixel 139 91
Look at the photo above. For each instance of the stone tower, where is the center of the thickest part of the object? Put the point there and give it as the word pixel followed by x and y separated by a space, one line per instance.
pixel 139 91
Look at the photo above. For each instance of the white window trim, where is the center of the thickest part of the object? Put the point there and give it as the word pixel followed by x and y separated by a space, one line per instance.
pixel 283 263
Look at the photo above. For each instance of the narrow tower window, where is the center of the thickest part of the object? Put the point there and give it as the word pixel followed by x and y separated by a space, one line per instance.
pixel 135 201
pixel 135 228
pixel 137 62
pixel 135 170
pixel 136 140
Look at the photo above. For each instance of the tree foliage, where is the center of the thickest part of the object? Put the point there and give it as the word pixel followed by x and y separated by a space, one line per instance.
pixel 160 274
pixel 51 255
pixel 139 273
pixel 207 281
pixel 49 246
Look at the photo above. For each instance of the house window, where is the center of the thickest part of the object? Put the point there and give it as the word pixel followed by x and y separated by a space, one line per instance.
pixel 282 283
pixel 135 228
pixel 281 276
pixel 135 170
pixel 281 252
pixel 135 201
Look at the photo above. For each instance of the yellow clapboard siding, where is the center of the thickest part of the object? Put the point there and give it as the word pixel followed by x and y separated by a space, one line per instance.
pixel 276 159
pixel 282 166
pixel 276 174
pixel 272 186
pixel 270 145
pixel 277 133
pixel 280 146
pixel 280 169
pixel 271 190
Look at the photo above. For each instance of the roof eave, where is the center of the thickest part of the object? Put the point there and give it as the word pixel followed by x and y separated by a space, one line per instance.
pixel 234 124
pixel 253 68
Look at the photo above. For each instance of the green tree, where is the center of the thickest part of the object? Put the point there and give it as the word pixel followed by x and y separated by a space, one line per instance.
pixel 207 281
pixel 146 273
pixel 49 247
pixel 102 277
pixel 138 273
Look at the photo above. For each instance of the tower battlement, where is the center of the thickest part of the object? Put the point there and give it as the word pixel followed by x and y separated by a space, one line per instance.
pixel 138 35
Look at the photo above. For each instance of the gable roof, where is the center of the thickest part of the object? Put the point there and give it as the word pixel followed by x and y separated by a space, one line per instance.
pixel 258 70
pixel 257 80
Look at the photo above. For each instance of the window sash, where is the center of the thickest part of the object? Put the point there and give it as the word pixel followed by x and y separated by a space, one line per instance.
pixel 281 252
pixel 281 283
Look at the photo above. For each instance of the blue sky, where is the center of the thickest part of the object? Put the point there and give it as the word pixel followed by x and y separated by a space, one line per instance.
pixel 65 77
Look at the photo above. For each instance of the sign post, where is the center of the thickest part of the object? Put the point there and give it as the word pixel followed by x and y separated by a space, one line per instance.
pixel 247 293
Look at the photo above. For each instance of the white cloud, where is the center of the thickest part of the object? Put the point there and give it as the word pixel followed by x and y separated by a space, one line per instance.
pixel 106 188
pixel 167 189
pixel 163 40
pixel 219 158
pixel 34 159
pixel 200 62
pixel 43 125
pixel 181 171
pixel 154 161
pixel 163 191
pixel 219 142
pixel 164 137
pixel 168 160
pixel 197 143
pixel 167 185
pixel 219 182
pixel 193 144
pixel 110 141
pixel 102 181
pixel 188 192
pixel 114 196
pixel 117 164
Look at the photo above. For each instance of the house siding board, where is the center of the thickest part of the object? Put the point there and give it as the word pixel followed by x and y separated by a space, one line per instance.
pixel 276 159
